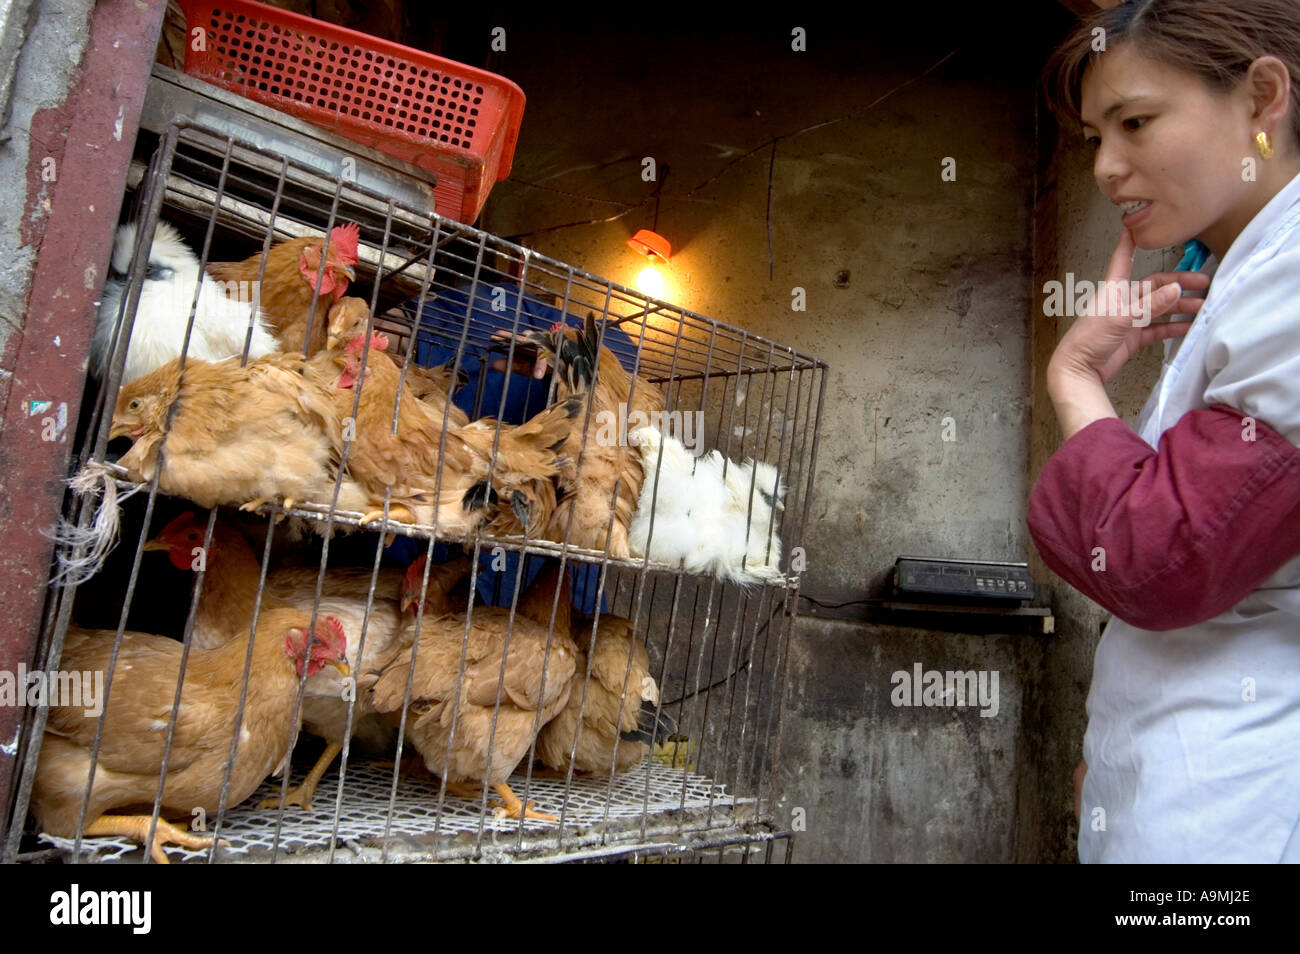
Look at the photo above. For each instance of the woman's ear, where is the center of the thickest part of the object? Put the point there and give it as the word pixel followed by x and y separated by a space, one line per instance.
pixel 1268 83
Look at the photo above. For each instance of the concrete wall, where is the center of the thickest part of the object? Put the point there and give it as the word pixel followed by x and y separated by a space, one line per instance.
pixel 40 47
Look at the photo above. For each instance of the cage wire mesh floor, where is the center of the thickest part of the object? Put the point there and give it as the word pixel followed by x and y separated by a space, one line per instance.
pixel 596 812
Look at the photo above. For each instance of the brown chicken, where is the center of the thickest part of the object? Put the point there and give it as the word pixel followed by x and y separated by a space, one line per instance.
pixel 432 386
pixel 431 436
pixel 289 284
pixel 454 730
pixel 615 722
pixel 139 710
pixel 591 474
pixel 240 435
pixel 229 591
pixel 226 608
pixel 388 632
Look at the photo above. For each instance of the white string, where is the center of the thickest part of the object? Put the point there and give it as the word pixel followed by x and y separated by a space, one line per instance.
pixel 100 537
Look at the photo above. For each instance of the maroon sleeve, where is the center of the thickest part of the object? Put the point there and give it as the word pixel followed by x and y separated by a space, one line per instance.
pixel 1185 532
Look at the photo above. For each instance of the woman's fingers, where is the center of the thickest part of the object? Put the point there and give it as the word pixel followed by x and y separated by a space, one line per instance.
pixel 524 366
pixel 1160 302
pixel 1166 329
pixel 1195 281
pixel 1188 305
pixel 1138 339
pixel 1168 299
pixel 1121 260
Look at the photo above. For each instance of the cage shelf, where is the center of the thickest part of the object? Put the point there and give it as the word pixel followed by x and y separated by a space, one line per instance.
pixel 649 801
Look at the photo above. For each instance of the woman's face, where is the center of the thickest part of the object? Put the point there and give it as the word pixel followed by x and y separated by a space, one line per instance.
pixel 1169 150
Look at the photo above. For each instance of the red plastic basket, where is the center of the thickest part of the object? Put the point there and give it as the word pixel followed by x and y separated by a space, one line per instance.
pixel 454 120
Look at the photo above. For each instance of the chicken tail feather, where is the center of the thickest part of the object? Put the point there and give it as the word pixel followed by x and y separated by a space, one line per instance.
pixel 530 451
pixel 651 727
pixel 479 496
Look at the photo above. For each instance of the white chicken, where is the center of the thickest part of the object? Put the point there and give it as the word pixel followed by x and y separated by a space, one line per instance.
pixel 221 320
pixel 705 521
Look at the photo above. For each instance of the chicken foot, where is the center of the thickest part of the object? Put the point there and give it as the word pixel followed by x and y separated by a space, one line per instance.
pixel 514 808
pixel 394 510
pixel 137 827
pixel 302 793
pixel 399 512
pixel 258 502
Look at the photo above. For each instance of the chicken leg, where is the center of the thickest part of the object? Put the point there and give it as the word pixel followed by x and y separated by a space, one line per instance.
pixel 301 794
pixel 137 827
pixel 514 808
pixel 374 516
pixel 251 506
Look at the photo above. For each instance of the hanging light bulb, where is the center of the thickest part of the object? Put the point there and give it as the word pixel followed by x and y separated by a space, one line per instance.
pixel 651 244
pixel 650 282
pixel 656 248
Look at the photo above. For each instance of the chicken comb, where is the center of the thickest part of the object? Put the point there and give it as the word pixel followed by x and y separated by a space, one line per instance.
pixel 337 629
pixel 176 525
pixel 415 572
pixel 346 238
pixel 378 342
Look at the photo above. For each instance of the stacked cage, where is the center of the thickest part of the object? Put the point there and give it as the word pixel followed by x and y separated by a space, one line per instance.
pixel 569 565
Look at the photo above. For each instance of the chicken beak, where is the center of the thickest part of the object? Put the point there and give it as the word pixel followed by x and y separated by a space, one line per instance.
pixel 118 430
pixel 157 543
pixel 346 271
pixel 340 665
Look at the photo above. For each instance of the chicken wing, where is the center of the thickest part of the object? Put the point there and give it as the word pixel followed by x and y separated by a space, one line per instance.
pixel 289 283
pixel 239 435
pixel 474 724
pixel 601 479
pixel 613 721
pixel 139 711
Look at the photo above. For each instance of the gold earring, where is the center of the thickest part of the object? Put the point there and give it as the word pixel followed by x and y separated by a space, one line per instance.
pixel 1263 145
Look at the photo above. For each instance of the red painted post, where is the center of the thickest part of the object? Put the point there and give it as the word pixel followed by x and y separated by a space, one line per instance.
pixel 71 221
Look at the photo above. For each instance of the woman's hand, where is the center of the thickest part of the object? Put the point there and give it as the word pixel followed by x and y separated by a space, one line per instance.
pixel 1118 323
pixel 527 361
pixel 1111 331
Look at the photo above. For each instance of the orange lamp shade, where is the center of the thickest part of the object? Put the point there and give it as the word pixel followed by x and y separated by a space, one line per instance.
pixel 650 244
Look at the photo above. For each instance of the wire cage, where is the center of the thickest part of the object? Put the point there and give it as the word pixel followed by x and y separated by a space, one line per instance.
pixel 701 783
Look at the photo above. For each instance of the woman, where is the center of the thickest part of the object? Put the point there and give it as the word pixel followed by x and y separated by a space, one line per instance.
pixel 1188 531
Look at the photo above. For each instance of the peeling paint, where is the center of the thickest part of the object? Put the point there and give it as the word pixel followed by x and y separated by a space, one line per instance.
pixel 64 111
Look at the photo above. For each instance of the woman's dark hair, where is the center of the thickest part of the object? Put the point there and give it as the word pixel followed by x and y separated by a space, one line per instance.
pixel 1216 40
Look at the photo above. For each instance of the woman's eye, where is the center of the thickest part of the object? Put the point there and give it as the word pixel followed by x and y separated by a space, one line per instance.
pixel 1134 123
pixel 1093 142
